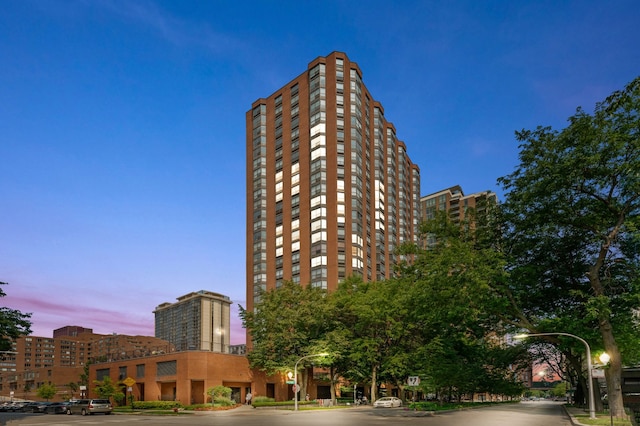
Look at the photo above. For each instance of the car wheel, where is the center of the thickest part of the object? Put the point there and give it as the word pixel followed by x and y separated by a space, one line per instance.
pixel 68 412
pixel 83 412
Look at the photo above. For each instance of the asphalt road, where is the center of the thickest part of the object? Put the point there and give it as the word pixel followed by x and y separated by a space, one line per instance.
pixel 522 414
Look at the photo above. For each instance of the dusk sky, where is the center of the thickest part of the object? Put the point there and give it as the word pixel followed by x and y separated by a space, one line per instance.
pixel 122 125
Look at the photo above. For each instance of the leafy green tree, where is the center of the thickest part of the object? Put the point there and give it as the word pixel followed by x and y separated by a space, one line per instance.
pixel 73 388
pixel 534 393
pixel 375 326
pixel 559 390
pixel 284 326
pixel 220 395
pixel 570 225
pixel 502 367
pixel 107 389
pixel 452 280
pixel 27 389
pixel 84 376
pixel 334 343
pixel 219 391
pixel 13 324
pixel 46 391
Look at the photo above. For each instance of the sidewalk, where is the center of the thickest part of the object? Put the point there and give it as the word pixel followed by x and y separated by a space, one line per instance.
pixel 576 412
pixel 572 412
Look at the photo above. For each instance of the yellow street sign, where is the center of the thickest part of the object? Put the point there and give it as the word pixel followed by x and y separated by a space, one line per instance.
pixel 129 382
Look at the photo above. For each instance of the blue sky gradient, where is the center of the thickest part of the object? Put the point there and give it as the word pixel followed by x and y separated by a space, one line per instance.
pixel 122 133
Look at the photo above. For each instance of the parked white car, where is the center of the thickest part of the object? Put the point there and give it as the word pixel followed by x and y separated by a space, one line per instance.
pixel 388 401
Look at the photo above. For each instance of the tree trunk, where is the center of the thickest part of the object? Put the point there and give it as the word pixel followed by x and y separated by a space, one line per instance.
pixel 334 381
pixel 580 395
pixel 303 385
pixel 403 393
pixel 613 374
pixel 374 380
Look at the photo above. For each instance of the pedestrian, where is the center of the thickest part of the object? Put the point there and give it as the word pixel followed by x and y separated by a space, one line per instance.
pixel 248 397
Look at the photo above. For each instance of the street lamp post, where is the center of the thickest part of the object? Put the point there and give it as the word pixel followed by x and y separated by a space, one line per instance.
pixel 592 407
pixel 295 377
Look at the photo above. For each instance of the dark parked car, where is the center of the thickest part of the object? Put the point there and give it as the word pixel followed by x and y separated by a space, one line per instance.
pixel 29 406
pixel 17 406
pixel 57 408
pixel 41 406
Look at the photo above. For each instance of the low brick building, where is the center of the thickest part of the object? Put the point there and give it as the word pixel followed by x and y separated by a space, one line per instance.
pixel 60 360
pixel 185 376
pixel 177 376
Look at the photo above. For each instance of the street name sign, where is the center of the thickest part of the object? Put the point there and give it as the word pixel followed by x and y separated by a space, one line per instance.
pixel 413 381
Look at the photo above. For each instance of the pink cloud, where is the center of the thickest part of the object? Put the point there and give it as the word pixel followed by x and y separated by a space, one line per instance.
pixel 48 315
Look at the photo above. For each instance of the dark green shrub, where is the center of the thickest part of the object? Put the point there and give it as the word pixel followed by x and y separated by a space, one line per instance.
pixel 219 391
pixel 262 399
pixel 273 403
pixel 156 405
pixel 423 406
pixel 223 401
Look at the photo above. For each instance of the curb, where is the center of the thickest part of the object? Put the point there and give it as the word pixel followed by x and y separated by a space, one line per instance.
pixel 574 421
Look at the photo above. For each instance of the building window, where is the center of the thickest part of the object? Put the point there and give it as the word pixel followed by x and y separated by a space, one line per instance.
pixel 140 370
pixel 102 373
pixel 167 368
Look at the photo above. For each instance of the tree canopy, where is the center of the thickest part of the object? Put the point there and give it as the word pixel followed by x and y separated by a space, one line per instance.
pixel 570 228
pixel 13 324
pixel 283 324
pixel 431 320
pixel 453 276
pixel 47 391
pixel 107 389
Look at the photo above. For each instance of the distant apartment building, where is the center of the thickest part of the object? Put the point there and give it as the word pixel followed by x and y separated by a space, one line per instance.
pixel 238 349
pixel 36 360
pixel 71 330
pixel 331 190
pixel 197 321
pixel 453 201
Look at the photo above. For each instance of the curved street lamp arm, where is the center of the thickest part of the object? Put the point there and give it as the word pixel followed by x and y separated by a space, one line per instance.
pixel 592 408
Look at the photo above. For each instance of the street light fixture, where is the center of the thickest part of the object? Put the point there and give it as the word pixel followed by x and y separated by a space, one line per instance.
pixel 295 377
pixel 592 407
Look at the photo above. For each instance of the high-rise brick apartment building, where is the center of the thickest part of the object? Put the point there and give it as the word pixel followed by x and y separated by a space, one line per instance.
pixel 197 321
pixel 331 190
pixel 453 201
